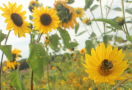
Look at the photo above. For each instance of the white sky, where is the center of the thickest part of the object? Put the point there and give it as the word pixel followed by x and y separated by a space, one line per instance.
pixel 22 43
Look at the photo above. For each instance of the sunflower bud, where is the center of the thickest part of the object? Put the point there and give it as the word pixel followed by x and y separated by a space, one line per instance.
pixel 120 21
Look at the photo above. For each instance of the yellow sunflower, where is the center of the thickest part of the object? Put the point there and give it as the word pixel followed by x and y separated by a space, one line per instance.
pixel 105 65
pixel 15 19
pixel 79 12
pixel 33 4
pixel 16 54
pixel 63 9
pixel 45 19
pixel 82 51
pixel 12 64
pixel 86 20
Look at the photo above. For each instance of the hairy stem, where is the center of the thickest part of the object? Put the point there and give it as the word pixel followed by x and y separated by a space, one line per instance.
pixel 122 2
pixel 2 57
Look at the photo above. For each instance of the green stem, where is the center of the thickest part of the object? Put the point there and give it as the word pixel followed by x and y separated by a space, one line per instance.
pixel 102 14
pixel 96 22
pixel 2 57
pixel 124 17
pixel 86 28
pixel 39 37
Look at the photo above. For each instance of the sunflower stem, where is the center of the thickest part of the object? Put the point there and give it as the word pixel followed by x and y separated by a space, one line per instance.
pixel 3 56
pixel 39 37
pixel 122 2
pixel 120 83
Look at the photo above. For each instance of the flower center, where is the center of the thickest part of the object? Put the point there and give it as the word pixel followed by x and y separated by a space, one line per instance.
pixel 17 19
pixel 105 68
pixel 45 19
pixel 78 11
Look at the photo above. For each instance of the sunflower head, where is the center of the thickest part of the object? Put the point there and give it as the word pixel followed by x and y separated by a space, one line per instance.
pixel 71 49
pixel 33 4
pixel 87 21
pixel 105 65
pixel 15 19
pixel 82 51
pixel 69 1
pixel 66 14
pixel 45 19
pixel 120 21
pixel 16 54
pixel 79 12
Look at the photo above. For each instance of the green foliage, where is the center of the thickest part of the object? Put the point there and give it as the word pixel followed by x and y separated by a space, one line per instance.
pixel 88 3
pixel 2 36
pixel 76 28
pixel 81 33
pixel 7 51
pixel 129 38
pixel 36 59
pixel 117 9
pixel 109 22
pixel 129 10
pixel 54 40
pixel 66 39
pixel 119 39
pixel 94 7
pixel 107 38
pixel 16 81
pixel 89 45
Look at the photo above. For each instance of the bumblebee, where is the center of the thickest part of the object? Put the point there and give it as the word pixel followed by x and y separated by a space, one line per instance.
pixel 106 65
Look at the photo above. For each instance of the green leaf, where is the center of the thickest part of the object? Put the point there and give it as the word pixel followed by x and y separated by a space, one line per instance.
pixel 119 39
pixel 36 58
pixel 52 78
pixel 2 36
pixel 117 9
pixel 54 40
pixel 129 38
pixel 107 38
pixel 76 28
pixel 64 34
pixel 7 51
pixel 30 17
pixel 112 23
pixel 129 10
pixel 88 3
pixel 94 7
pixel 128 21
pixel 89 45
pixel 92 36
pixel 16 81
pixel 81 33
pixel 66 39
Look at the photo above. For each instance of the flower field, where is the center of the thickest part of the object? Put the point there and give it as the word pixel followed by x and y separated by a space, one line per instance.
pixel 96 57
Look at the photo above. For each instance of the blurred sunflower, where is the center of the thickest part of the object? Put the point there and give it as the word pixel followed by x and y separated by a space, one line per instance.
pixel 16 54
pixel 79 12
pixel 82 51
pixel 86 21
pixel 15 19
pixel 4 83
pixel 12 64
pixel 66 14
pixel 33 4
pixel 105 65
pixel 45 19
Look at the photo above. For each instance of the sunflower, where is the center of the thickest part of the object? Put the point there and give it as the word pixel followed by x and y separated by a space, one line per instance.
pixel 105 65
pixel 45 19
pixel 79 12
pixel 12 64
pixel 33 4
pixel 86 21
pixel 15 19
pixel 16 54
pixel 66 14
pixel 82 51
